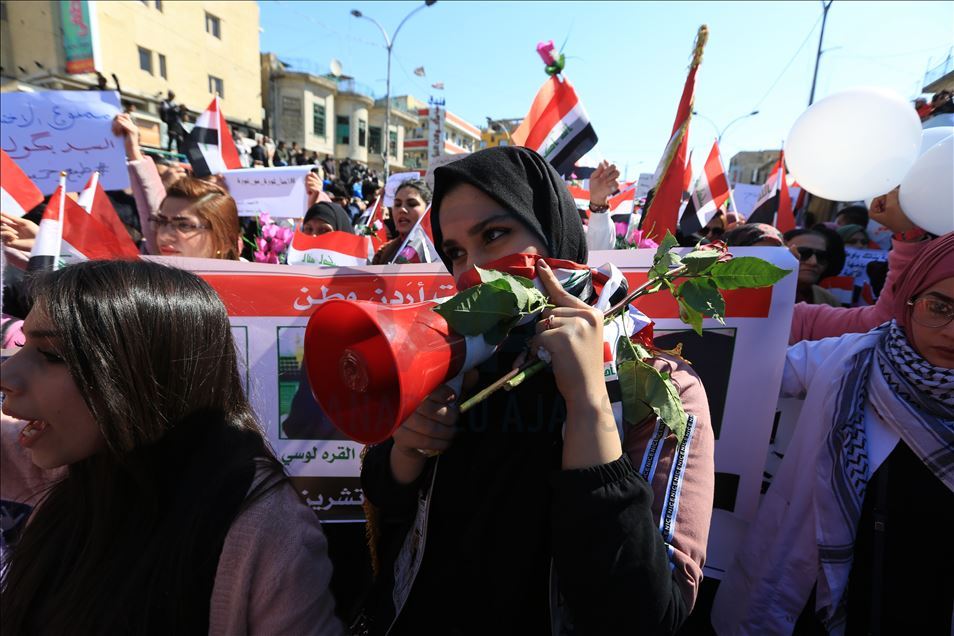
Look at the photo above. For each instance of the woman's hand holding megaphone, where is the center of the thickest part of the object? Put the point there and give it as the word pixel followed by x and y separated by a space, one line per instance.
pixel 429 428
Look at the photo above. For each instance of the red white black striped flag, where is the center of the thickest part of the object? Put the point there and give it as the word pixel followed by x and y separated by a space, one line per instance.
pixel 557 126
pixel 68 234
pixel 334 249
pixel 662 209
pixel 710 193
pixel 210 147
pixel 774 205
pixel 94 200
pixel 18 194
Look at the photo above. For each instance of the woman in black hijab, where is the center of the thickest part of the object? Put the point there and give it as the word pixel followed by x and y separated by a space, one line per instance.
pixel 532 519
pixel 324 217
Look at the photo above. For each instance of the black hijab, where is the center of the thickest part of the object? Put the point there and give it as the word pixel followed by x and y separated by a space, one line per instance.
pixel 332 214
pixel 527 186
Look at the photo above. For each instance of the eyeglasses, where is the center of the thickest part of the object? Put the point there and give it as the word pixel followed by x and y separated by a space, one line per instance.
pixel 805 254
pixel 181 226
pixel 931 311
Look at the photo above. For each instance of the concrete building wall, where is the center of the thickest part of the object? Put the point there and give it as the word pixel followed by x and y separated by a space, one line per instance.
pixel 177 30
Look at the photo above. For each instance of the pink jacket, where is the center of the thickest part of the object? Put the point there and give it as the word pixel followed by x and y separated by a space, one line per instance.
pixel 653 450
pixel 149 193
pixel 273 573
pixel 814 322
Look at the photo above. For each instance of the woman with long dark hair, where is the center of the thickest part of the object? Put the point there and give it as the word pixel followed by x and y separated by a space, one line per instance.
pixel 170 514
pixel 544 511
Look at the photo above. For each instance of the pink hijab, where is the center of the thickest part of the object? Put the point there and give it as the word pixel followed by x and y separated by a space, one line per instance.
pixel 932 265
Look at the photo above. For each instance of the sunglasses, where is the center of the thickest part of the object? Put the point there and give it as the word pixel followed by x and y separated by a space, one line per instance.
pixel 806 253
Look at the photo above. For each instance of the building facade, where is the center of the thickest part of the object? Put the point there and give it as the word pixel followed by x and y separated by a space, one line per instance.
pixel 329 115
pixel 752 166
pixel 497 132
pixel 196 49
pixel 459 135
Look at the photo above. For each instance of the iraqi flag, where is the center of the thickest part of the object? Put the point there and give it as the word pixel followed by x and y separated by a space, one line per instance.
pixel 710 193
pixel 662 209
pixel 373 219
pixel 333 249
pixel 557 126
pixel 210 147
pixel 68 234
pixel 774 205
pixel 418 247
pixel 18 194
pixel 94 200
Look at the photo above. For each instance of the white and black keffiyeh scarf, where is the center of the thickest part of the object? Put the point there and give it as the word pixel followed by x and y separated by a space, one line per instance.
pixel 912 397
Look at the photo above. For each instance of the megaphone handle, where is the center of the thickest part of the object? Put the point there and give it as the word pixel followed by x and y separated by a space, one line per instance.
pixel 456 383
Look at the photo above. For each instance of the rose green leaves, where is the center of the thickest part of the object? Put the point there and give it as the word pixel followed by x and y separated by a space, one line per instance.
pixel 704 273
pixel 493 307
pixel 647 391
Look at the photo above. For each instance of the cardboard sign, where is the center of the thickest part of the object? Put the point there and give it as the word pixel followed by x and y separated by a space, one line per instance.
pixel 48 132
pixel 278 191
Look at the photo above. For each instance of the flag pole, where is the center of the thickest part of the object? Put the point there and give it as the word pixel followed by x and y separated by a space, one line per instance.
pixel 680 128
pixel 60 212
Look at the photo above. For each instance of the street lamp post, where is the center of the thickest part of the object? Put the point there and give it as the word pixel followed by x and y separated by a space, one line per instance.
pixel 729 125
pixel 389 45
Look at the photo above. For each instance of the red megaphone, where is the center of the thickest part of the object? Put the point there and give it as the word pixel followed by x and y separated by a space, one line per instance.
pixel 370 365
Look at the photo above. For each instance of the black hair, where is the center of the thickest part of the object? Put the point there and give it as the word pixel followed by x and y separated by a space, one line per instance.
pixel 834 245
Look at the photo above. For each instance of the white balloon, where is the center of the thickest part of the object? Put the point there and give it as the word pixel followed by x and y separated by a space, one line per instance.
pixel 927 191
pixel 854 145
pixel 931 136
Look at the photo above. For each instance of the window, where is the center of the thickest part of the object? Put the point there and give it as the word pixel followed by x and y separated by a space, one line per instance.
pixel 213 25
pixel 392 146
pixel 217 86
pixel 162 66
pixel 159 5
pixel 362 133
pixel 145 60
pixel 341 130
pixel 318 120
pixel 374 142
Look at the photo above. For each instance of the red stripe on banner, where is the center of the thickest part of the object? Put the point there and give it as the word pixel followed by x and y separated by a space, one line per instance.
pixel 785 219
pixel 340 242
pixel 289 295
pixel 739 303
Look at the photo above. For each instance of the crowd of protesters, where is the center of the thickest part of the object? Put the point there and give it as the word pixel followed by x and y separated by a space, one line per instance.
pixel 126 384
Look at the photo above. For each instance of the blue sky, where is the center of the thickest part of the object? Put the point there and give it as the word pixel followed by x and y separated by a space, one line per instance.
pixel 627 60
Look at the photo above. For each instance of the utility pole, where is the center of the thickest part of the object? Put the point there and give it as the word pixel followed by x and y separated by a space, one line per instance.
pixel 821 37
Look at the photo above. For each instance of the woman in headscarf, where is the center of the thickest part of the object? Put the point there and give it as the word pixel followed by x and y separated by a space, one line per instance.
pixel 853 236
pixel 324 217
pixel 410 202
pixel 539 515
pixel 854 534
pixel 821 253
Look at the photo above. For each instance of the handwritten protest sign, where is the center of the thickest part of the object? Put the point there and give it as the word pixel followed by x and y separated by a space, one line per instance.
pixel 740 364
pixel 394 183
pixel 71 131
pixel 278 191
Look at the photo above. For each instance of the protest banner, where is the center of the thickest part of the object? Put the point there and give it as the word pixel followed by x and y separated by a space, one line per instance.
pixel 49 132
pixel 270 305
pixel 856 263
pixel 80 41
pixel 279 191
